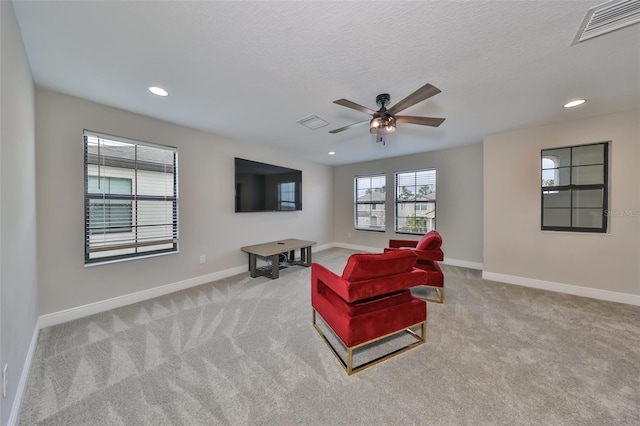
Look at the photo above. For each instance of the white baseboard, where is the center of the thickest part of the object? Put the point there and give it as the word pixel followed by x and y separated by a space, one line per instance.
pixel 446 261
pixel 104 305
pixel 322 247
pixel 77 312
pixel 462 263
pixel 359 248
pixel 24 377
pixel 593 293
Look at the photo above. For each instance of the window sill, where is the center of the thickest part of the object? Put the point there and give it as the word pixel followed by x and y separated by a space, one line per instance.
pixel 370 230
pixel 546 231
pixel 128 259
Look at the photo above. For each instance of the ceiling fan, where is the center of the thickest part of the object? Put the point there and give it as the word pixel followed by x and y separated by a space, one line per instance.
pixel 384 120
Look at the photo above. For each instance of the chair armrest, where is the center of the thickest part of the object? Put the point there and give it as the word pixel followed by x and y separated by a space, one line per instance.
pixel 331 280
pixel 402 243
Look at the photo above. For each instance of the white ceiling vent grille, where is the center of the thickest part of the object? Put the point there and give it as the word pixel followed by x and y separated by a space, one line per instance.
pixel 608 17
pixel 313 122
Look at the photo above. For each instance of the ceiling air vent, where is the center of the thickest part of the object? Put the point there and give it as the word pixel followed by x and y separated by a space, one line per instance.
pixel 313 122
pixel 608 17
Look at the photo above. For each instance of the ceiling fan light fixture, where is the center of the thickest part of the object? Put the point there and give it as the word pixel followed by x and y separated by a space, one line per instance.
pixel 390 125
pixel 382 125
pixel 374 125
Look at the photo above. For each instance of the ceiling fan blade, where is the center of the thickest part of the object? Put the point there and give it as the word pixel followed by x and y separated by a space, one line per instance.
pixel 359 123
pixel 425 121
pixel 425 92
pixel 353 105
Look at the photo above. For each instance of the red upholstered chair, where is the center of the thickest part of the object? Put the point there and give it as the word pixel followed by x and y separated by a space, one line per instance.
pixel 429 253
pixel 369 301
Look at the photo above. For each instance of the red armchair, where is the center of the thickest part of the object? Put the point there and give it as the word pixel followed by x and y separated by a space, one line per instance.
pixel 429 253
pixel 370 301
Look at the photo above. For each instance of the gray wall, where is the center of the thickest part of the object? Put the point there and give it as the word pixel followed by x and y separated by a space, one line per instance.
pixel 514 245
pixel 18 285
pixel 458 208
pixel 208 224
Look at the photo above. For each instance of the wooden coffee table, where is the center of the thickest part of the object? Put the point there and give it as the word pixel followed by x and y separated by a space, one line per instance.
pixel 273 250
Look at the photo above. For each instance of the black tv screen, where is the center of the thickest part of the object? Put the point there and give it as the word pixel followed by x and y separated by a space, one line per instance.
pixel 262 187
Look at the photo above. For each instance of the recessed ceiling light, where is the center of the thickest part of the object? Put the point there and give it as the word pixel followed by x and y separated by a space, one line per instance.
pixel 332 153
pixel 158 91
pixel 574 103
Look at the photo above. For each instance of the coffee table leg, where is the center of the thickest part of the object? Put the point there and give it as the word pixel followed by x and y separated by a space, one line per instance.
pixel 275 266
pixel 252 265
pixel 305 256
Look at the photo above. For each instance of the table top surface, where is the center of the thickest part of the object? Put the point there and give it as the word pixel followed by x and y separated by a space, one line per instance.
pixel 277 247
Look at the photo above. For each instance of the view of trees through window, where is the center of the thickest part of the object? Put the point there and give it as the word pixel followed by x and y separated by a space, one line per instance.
pixel 370 195
pixel 415 201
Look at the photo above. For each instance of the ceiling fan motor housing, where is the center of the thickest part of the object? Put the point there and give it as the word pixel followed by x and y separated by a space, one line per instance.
pixel 383 99
pixel 382 123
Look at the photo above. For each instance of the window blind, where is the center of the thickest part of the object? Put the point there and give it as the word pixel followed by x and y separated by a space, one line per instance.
pixel 131 198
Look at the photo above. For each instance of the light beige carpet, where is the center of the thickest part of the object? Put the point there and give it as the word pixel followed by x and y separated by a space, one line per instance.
pixel 243 351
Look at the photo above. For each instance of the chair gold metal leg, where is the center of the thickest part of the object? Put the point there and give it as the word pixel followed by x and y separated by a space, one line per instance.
pixel 439 290
pixel 348 365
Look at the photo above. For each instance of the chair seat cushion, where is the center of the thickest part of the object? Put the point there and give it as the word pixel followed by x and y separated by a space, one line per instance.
pixel 366 305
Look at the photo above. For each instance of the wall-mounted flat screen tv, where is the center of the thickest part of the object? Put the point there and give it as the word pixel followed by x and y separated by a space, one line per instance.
pixel 262 187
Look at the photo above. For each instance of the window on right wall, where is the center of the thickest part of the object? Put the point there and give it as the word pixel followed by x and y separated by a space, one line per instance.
pixel 575 188
pixel 415 201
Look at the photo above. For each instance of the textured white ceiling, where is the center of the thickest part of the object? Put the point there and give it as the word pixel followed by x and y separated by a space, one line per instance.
pixel 249 70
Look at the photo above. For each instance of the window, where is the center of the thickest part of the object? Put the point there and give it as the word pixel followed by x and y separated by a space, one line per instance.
pixel 131 198
pixel 370 194
pixel 415 202
pixel 575 188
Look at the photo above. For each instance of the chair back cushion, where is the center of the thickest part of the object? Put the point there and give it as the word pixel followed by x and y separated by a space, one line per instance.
pixel 430 241
pixel 367 266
